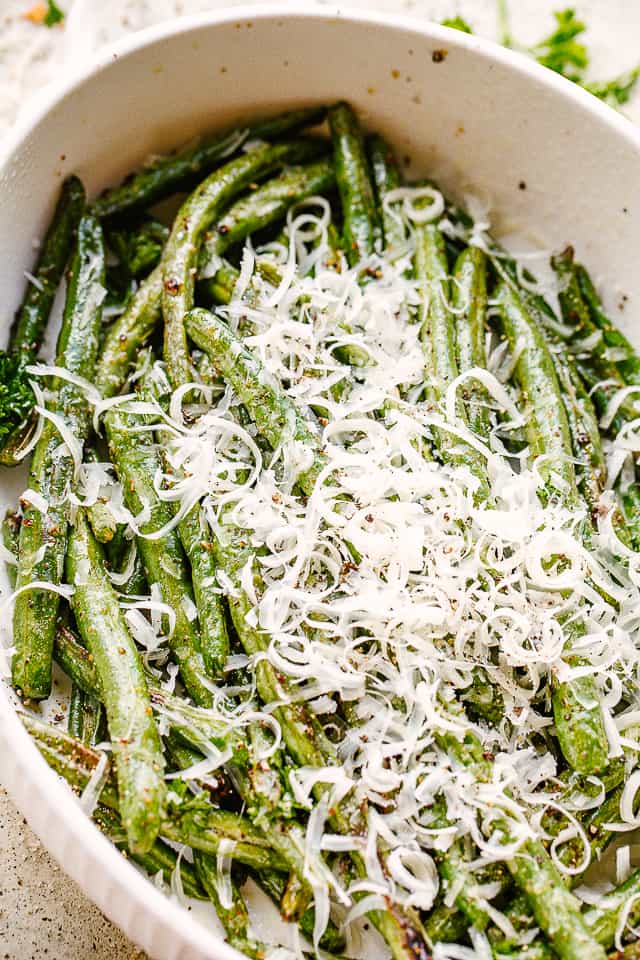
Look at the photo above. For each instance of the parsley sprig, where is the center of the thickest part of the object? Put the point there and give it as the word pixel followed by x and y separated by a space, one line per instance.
pixel 458 23
pixel 564 52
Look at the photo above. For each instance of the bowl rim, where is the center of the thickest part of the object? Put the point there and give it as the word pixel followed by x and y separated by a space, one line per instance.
pixel 186 929
pixel 310 10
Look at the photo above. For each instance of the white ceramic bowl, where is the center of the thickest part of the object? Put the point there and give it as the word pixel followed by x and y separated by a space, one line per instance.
pixel 545 153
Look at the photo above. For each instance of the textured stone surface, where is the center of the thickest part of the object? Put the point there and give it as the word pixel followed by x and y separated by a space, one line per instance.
pixel 43 914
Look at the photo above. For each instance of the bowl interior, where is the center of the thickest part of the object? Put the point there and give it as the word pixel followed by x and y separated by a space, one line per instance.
pixel 552 163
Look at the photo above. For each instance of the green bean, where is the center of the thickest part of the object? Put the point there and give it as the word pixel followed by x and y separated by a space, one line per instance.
pixel 579 724
pixel 630 952
pixel 554 908
pixel 582 417
pixel 576 708
pixel 574 310
pixel 585 433
pixel 136 744
pixel 194 725
pixel 266 205
pixel 128 335
pixel 614 339
pixel 103 523
pixel 600 376
pixel 275 886
pixel 195 539
pixel 203 207
pixel 275 416
pixel 583 306
pixel 446 924
pixel 547 428
pixel 438 343
pixel 75 717
pixel 631 505
pixel 455 873
pixel 139 248
pixel 233 913
pixel 11 523
pixel 360 227
pixel 75 762
pixel 76 661
pixel 214 639
pixel 16 395
pixel 482 699
pixel 52 470
pixel 71 759
pixel 306 742
pixel 436 327
pixel 182 757
pixel 219 288
pixel 137 463
pixel 582 309
pixel 603 920
pixel 469 289
pixel 203 827
pixel 295 899
pixel 161 858
pixel 136 583
pixel 170 173
pixel 29 327
pixel 532 951
pixel 85 716
pixel 386 177
pixel 579 318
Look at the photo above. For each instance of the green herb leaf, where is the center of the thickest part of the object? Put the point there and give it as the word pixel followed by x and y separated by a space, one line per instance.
pixel 615 92
pixel 53 15
pixel 458 23
pixel 561 51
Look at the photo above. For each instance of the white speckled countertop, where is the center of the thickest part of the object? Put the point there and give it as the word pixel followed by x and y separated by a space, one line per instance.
pixel 42 913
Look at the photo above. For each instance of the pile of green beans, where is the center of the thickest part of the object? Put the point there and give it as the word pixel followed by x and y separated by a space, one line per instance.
pixel 173 276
